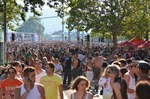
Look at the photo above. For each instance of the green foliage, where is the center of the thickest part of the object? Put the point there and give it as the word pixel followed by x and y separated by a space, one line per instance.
pixel 32 25
pixel 138 21
pixel 107 18
pixel 114 17
pixel 16 12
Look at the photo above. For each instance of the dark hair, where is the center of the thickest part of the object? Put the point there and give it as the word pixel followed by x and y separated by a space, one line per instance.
pixel 16 63
pixel 23 65
pixel 123 61
pixel 28 70
pixel 78 80
pixel 105 64
pixel 129 60
pixel 12 68
pixel 96 53
pixel 123 71
pixel 50 64
pixel 117 63
pixel 143 89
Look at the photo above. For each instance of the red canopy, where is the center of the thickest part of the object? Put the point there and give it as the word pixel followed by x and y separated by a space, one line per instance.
pixel 126 43
pixel 144 45
pixel 136 40
pixel 139 43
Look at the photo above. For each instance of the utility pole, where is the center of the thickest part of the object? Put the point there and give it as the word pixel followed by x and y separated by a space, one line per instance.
pixel 68 35
pixel 5 31
pixel 63 21
pixel 3 37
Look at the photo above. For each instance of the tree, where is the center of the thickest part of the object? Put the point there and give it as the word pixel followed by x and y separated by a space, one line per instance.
pixel 138 21
pixel 108 16
pixel 16 12
pixel 98 16
pixel 32 25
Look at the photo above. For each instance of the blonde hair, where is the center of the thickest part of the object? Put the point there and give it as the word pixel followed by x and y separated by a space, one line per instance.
pixel 105 73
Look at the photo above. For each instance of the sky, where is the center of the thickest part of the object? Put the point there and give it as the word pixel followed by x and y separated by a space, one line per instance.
pixel 50 24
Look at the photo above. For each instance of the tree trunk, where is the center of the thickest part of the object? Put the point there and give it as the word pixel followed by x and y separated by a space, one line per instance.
pixel 115 39
pixel 147 36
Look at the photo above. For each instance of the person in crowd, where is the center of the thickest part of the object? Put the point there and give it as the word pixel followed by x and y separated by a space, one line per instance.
pixel 142 90
pixel 52 83
pixel 105 82
pixel 97 63
pixel 119 85
pixel 44 62
pixel 143 71
pixel 10 57
pixel 123 71
pixel 7 89
pixel 30 89
pixel 117 63
pixel 81 85
pixel 89 69
pixel 76 63
pixel 20 58
pixel 39 71
pixel 84 61
pixel 58 66
pixel 18 66
pixel 67 70
pixel 123 62
pixel 130 79
pixel 115 58
pixel 4 75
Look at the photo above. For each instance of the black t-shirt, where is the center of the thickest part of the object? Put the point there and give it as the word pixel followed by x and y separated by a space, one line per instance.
pixel 68 63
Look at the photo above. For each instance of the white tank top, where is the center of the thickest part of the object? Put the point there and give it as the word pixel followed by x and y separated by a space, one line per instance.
pixel 87 96
pixel 131 86
pixel 34 93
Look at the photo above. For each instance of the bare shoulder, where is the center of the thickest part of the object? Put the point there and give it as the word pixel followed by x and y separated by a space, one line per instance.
pixel 116 85
pixel 126 77
pixel 39 85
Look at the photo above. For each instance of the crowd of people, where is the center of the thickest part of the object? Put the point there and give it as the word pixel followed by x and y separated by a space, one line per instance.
pixel 40 70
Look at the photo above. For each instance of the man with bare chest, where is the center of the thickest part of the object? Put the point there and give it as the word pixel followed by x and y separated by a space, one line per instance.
pixel 97 62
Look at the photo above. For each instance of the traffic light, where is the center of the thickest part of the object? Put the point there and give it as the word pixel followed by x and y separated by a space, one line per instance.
pixel 85 38
pixel 13 37
pixel 88 38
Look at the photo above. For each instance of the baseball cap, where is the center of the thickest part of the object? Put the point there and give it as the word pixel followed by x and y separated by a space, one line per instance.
pixel 144 65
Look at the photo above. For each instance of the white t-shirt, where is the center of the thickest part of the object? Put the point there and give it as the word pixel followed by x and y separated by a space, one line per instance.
pixel 38 76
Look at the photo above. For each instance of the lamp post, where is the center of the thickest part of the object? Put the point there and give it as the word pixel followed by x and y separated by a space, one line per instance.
pixel 3 38
pixel 5 31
